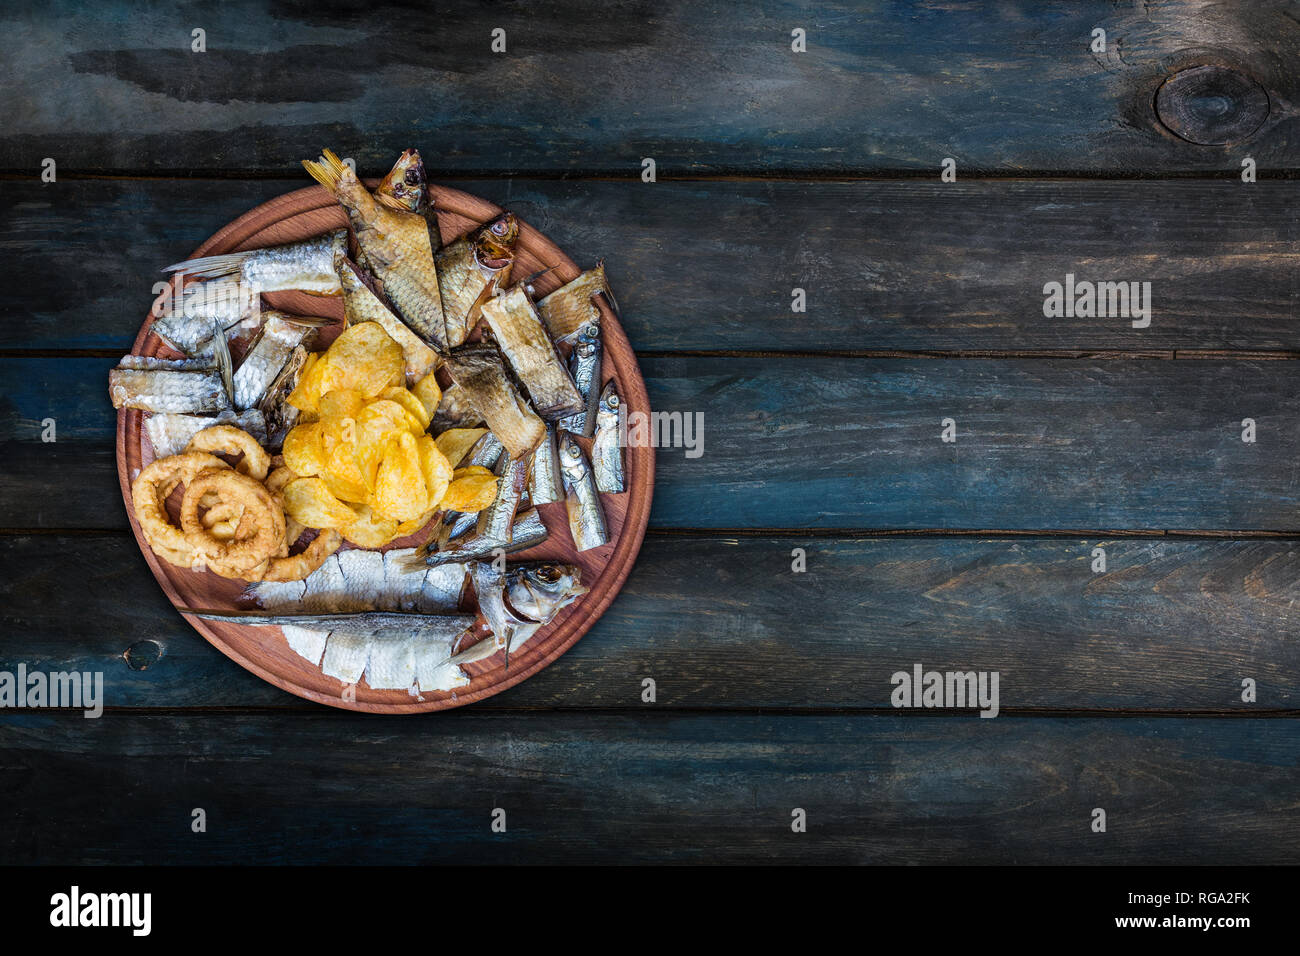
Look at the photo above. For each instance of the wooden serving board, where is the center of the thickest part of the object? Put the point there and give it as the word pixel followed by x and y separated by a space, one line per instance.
pixel 263 650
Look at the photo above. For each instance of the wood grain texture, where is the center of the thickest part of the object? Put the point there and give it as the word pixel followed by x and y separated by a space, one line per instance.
pixel 310 212
pixel 586 87
pixel 845 443
pixel 617 788
pixel 900 265
pixel 722 623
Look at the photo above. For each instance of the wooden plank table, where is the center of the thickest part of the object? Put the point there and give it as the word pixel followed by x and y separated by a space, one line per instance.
pixel 776 171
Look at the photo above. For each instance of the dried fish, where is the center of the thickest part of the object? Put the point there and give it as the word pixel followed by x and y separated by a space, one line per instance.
pixel 454 411
pixel 584 364
pixel 278 415
pixel 364 624
pixel 546 485
pixel 518 603
pixel 528 530
pixel 170 432
pixel 523 341
pixel 397 247
pixel 496 520
pixel 478 370
pixel 606 448
pixel 166 385
pixel 362 302
pixel 275 343
pixel 566 310
pixel 586 516
pixel 471 269
pixel 185 321
pixel 405 187
pixel 306 266
pixel 357 580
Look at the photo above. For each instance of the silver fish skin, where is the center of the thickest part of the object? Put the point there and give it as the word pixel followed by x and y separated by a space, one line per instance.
pixel 358 580
pixel 606 447
pixel 528 530
pixel 179 387
pixel 358 623
pixel 586 516
pixel 185 321
pixel 278 415
pixel 489 587
pixel 584 365
pixel 546 486
pixel 170 432
pixel 496 520
pixel 306 266
pixel 274 345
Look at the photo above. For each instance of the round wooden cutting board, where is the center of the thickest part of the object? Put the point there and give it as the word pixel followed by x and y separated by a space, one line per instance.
pixel 263 650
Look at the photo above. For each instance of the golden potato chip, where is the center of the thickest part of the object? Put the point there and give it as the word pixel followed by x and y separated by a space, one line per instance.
pixel 397 414
pixel 351 493
pixel 310 502
pixel 365 357
pixel 306 396
pixel 399 486
pixel 374 431
pixel 410 527
pixel 469 470
pixel 455 443
pixel 370 530
pixel 436 469
pixel 409 402
pixel 429 394
pixel 470 494
pixel 303 452
pixel 341 403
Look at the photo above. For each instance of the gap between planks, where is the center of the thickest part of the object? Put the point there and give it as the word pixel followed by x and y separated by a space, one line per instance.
pixel 721 175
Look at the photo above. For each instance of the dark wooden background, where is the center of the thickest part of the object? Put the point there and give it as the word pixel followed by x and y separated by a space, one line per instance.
pixel 776 169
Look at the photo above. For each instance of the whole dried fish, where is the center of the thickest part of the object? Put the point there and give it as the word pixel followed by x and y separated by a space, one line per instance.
pixel 478 370
pixel 496 520
pixel 363 303
pixel 307 266
pixel 358 623
pixel 397 248
pixel 166 385
pixel 358 580
pixel 519 602
pixel 584 364
pixel 280 335
pixel 170 432
pixel 454 411
pixel 185 321
pixel 586 516
pixel 546 485
pixel 523 341
pixel 566 310
pixel 528 530
pixel 606 448
pixel 471 269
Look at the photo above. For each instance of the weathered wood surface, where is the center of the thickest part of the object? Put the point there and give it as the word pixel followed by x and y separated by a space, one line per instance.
pixel 618 788
pixel 594 88
pixel 724 623
pixel 833 442
pixel 900 265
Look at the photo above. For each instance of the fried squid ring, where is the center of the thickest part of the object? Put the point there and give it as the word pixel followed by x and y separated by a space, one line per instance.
pixel 275 483
pixel 229 440
pixel 299 566
pixel 149 494
pixel 262 523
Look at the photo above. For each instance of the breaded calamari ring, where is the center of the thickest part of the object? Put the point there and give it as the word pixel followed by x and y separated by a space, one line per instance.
pixel 263 517
pixel 229 440
pixel 299 566
pixel 149 494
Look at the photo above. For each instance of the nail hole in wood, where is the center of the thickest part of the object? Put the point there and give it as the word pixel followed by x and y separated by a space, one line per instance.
pixel 142 655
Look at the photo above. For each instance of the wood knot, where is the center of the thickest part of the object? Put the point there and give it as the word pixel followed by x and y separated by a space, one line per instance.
pixel 142 655
pixel 1211 105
